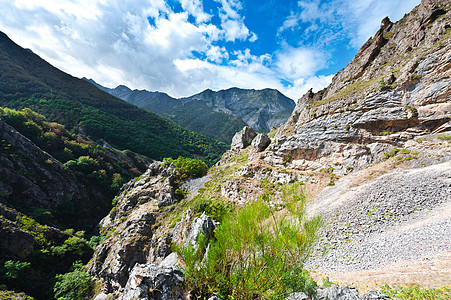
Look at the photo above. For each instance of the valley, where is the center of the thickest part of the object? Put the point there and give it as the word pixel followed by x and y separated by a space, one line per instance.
pixel 344 194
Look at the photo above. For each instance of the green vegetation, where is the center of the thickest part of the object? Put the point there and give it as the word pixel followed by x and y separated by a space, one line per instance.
pixel 444 137
pixel 54 253
pixel 198 117
pixel 9 295
pixel 416 293
pixel 257 251
pixel 187 167
pixel 29 81
pixel 388 35
pixel 75 285
pixel 101 170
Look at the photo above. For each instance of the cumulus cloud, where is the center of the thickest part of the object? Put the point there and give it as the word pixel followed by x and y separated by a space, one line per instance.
pixel 300 62
pixel 151 45
pixel 356 19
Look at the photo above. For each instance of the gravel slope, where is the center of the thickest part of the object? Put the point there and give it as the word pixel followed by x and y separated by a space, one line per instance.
pixel 399 217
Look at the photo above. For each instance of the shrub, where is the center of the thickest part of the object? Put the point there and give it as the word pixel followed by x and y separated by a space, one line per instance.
pixel 14 269
pixel 256 251
pixel 216 209
pixel 187 167
pixel 75 285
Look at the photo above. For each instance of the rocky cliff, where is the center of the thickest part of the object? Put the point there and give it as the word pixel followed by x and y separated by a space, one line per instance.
pixel 395 89
pixel 371 152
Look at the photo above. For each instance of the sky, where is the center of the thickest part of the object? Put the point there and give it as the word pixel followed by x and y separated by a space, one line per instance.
pixel 183 47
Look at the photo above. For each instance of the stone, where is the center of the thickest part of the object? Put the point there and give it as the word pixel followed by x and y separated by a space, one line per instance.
pixel 203 224
pixel 260 142
pixel 297 296
pixel 148 281
pixel 243 138
pixel 375 295
pixel 338 293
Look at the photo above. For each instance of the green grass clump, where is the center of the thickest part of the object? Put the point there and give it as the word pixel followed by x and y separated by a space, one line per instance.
pixel 256 252
pixel 444 137
pixel 417 293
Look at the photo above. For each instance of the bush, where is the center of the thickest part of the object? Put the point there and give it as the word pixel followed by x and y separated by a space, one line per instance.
pixel 187 167
pixel 256 252
pixel 14 269
pixel 75 285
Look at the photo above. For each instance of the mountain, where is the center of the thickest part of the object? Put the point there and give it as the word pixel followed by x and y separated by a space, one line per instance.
pixel 369 155
pixel 215 114
pixel 29 81
pixel 260 109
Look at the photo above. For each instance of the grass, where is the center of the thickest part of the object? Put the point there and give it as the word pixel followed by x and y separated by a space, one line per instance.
pixel 350 89
pixel 257 252
pixel 417 293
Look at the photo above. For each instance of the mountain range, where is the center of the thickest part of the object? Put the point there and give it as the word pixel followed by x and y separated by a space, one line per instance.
pixel 217 114
pixel 353 189
pixel 29 81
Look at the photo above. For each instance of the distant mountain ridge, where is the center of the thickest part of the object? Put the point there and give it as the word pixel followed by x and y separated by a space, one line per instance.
pixel 216 114
pixel 26 80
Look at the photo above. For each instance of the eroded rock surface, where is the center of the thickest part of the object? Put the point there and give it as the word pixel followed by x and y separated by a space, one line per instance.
pixel 396 88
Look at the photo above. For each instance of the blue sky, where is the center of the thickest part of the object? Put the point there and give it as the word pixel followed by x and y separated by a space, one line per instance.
pixel 182 47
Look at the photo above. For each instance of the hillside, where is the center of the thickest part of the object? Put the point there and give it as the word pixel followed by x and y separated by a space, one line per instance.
pixel 371 155
pixel 215 114
pixel 29 81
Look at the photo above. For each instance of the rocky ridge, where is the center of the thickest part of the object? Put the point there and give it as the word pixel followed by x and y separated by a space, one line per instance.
pixel 372 152
pixel 139 237
pixel 395 89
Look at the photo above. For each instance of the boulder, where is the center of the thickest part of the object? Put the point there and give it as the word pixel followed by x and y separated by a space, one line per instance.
pixel 297 296
pixel 260 142
pixel 375 295
pixel 243 138
pixel 338 293
pixel 203 224
pixel 148 281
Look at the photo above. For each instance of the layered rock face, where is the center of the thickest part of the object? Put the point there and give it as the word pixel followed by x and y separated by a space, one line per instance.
pixel 260 109
pixel 396 88
pixel 135 259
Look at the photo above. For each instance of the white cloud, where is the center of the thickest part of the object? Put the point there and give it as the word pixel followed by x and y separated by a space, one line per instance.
pixel 181 52
pixel 356 19
pixel 217 54
pixel 195 8
pixel 300 62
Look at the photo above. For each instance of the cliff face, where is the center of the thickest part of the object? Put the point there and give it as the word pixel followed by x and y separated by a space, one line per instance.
pixel 369 151
pixel 32 178
pixel 260 109
pixel 396 88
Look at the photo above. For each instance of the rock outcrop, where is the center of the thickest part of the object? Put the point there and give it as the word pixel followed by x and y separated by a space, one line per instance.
pixel 395 89
pixel 32 176
pixel 243 138
pixel 149 281
pixel 136 259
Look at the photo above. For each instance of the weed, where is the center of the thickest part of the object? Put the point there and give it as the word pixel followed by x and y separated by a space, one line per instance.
pixel 416 293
